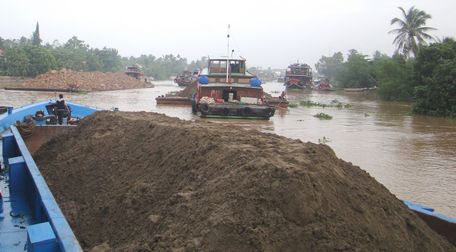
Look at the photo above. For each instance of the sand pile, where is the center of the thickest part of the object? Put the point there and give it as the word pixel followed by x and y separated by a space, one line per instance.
pixel 89 81
pixel 188 91
pixel 142 181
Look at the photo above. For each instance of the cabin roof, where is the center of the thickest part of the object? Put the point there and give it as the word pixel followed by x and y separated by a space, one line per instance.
pixel 224 58
pixel 222 84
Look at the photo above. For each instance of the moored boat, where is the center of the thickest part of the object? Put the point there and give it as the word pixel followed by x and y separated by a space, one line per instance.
pixel 298 76
pixel 173 100
pixel 226 89
pixel 186 78
pixel 30 218
pixel 135 71
pixel 322 86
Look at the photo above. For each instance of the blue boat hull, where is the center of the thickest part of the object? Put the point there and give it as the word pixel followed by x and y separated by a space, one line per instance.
pixel 30 218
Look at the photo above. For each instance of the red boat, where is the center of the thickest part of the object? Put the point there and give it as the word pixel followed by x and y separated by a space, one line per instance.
pixel 298 76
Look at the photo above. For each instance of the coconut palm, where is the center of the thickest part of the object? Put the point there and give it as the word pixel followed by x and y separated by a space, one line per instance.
pixel 412 31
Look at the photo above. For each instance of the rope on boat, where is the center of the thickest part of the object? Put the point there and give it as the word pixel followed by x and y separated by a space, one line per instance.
pixel 25 128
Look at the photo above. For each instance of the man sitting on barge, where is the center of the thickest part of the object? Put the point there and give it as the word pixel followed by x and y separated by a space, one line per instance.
pixel 62 109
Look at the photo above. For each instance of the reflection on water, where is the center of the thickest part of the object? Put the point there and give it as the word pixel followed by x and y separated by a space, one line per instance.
pixel 413 156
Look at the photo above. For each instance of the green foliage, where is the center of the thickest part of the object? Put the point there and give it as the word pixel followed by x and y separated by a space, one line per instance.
pixel 200 64
pixel 356 72
pixel 160 68
pixel 292 105
pixel 330 66
pixel 36 39
pixel 436 72
pixel 334 104
pixel 40 60
pixel 323 116
pixel 108 58
pixel 395 77
pixel 14 62
pixel 313 104
pixel 412 31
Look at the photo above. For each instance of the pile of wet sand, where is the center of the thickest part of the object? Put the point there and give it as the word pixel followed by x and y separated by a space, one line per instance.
pixel 83 81
pixel 143 181
pixel 188 91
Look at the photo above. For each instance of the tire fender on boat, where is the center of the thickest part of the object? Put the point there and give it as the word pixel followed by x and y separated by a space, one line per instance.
pixel 271 111
pixel 225 111
pixel 247 111
pixel 204 107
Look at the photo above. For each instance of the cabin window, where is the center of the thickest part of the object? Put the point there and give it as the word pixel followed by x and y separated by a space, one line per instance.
pixel 214 66
pixel 235 67
pixel 223 65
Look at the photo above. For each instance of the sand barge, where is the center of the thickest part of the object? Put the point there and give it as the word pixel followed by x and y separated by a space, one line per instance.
pixel 143 181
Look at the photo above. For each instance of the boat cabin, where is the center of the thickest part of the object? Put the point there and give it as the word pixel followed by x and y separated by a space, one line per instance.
pixel 134 71
pixel 299 70
pixel 218 66
pixel 237 71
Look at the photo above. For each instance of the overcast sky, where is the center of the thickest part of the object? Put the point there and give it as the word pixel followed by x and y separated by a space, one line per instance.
pixel 267 33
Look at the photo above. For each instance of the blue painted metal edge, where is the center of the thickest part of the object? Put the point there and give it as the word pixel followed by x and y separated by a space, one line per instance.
pixel 428 211
pixel 63 231
pixel 18 114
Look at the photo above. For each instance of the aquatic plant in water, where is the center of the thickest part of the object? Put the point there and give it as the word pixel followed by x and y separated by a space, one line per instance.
pixel 292 105
pixel 323 116
pixel 334 103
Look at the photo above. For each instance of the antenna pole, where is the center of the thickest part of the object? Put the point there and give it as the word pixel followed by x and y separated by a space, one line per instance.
pixel 228 55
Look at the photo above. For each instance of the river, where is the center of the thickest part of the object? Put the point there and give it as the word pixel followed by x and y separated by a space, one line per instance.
pixel 413 156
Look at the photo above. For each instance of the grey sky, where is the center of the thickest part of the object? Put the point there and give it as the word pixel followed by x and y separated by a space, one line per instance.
pixel 267 33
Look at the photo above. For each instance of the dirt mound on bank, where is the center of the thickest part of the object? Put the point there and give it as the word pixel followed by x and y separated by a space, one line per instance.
pixel 88 81
pixel 143 181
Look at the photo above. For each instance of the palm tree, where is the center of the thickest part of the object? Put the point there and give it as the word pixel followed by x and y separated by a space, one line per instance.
pixel 412 31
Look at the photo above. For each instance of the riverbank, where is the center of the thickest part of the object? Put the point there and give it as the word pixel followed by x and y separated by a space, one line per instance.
pixel 179 184
pixel 12 81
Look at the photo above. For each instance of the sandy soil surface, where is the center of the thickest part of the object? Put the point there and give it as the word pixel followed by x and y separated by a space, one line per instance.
pixel 147 182
pixel 86 81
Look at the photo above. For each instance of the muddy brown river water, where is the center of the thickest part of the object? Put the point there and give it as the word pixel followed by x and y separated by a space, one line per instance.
pixel 413 156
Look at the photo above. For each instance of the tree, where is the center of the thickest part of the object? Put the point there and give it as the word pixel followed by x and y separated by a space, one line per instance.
pixel 436 72
pixel 40 60
pixel 36 40
pixel 109 59
pixel 412 31
pixel 356 72
pixel 330 66
pixel 75 43
pixel 395 77
pixel 15 62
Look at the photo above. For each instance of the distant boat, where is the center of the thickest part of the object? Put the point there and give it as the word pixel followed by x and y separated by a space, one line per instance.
pixel 322 86
pixel 227 90
pixel 298 76
pixel 135 71
pixel 186 78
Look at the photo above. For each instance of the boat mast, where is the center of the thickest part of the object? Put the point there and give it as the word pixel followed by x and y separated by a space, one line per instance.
pixel 228 55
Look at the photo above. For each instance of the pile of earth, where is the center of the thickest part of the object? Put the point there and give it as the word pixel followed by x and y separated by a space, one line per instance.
pixel 84 81
pixel 147 182
pixel 188 91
